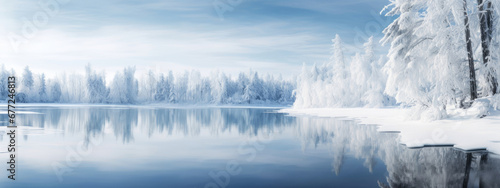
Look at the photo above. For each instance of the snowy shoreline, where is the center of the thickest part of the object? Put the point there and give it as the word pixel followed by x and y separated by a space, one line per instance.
pixel 460 132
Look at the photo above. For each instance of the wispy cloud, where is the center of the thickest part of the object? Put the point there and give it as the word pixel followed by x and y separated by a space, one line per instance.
pixel 176 35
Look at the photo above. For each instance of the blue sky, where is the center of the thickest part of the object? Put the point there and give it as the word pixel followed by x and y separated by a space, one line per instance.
pixel 271 36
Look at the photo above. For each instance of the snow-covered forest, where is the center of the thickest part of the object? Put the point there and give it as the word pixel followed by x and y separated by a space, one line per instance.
pixel 443 56
pixel 128 88
pixel 360 82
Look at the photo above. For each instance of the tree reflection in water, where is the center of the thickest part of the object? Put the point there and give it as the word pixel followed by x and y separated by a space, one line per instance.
pixel 424 167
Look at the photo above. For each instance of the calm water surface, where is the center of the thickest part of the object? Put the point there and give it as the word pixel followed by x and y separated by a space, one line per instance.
pixel 120 146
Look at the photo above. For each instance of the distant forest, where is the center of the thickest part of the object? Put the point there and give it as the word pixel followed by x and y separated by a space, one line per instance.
pixel 126 88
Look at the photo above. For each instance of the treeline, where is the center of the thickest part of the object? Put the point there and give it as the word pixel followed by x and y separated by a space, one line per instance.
pixel 125 88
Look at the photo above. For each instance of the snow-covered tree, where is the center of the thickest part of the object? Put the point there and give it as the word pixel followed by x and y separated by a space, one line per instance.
pixel 486 22
pixel 426 66
pixel 171 93
pixel 181 86
pixel 493 65
pixel 340 73
pixel 374 96
pixel 358 83
pixel 219 88
pixel 124 87
pixel 4 75
pixel 96 86
pixel 338 59
pixel 71 88
pixel 148 87
pixel 28 82
pixel 162 88
pixel 243 82
pixel 54 91
pixel 42 89
pixel 254 90
pixel 198 89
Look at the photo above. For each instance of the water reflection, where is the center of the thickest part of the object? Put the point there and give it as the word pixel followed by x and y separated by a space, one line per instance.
pixel 189 122
pixel 425 167
pixel 342 139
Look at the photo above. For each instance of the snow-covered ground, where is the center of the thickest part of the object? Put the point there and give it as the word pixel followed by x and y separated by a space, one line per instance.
pixel 465 132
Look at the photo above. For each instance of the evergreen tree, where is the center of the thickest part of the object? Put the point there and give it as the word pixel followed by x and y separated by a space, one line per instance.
pixel 96 86
pixel 27 84
pixel 42 89
pixel 55 91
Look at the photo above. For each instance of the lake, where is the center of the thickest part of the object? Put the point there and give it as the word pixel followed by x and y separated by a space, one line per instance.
pixel 150 146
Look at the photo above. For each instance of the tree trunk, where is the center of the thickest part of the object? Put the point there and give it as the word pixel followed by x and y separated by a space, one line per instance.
pixel 472 73
pixel 467 170
pixel 489 18
pixel 483 164
pixel 486 30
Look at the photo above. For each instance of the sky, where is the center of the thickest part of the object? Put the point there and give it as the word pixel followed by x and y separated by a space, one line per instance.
pixel 269 36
